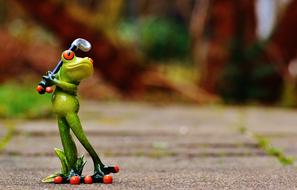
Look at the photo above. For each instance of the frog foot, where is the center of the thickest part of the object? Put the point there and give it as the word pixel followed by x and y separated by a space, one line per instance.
pixel 72 173
pixel 110 169
pixel 72 178
pixel 59 178
pixel 101 174
pixel 98 177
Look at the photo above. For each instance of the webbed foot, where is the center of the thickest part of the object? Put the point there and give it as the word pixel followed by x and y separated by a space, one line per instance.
pixel 98 178
pixel 110 169
pixel 101 174
pixel 72 178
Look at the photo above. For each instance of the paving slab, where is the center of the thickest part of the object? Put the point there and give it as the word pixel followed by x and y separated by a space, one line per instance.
pixel 163 173
pixel 137 145
pixel 159 147
pixel 271 121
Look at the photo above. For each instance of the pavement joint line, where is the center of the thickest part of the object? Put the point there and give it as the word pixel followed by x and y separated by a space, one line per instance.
pixel 150 154
pixel 11 128
pixel 262 142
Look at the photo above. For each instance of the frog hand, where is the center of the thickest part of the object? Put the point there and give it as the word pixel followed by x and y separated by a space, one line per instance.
pixel 48 81
pixel 49 78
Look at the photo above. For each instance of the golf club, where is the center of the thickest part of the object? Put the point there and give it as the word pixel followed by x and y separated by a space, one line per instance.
pixel 78 43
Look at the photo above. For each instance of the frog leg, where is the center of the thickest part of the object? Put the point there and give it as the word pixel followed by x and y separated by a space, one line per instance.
pixel 99 168
pixel 69 147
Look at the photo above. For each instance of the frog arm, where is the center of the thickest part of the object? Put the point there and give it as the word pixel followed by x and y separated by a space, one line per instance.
pixel 68 87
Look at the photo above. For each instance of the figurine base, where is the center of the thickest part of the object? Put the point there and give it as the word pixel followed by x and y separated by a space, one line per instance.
pixel 77 179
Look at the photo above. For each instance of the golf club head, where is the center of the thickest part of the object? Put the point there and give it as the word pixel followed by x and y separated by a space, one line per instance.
pixel 82 44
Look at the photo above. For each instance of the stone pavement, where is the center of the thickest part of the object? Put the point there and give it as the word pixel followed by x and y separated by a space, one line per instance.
pixel 160 147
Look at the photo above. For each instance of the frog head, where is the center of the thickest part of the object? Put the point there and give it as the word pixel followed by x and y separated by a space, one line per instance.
pixel 74 69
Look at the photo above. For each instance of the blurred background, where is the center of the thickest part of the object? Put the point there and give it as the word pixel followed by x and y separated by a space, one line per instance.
pixel 164 51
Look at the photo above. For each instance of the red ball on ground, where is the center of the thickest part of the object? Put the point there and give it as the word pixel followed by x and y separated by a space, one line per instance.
pixel 116 168
pixel 75 180
pixel 88 179
pixel 107 179
pixel 58 179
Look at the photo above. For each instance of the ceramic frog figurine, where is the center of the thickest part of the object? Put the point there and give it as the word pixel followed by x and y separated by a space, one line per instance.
pixel 65 106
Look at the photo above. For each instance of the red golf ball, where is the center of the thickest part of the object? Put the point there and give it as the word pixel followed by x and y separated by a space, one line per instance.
pixel 88 179
pixel 107 179
pixel 75 180
pixel 58 179
pixel 116 168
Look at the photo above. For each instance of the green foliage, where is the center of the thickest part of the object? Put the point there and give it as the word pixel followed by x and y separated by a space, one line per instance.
pixel 242 129
pixel 159 38
pixel 286 160
pixel 289 94
pixel 3 11
pixel 23 102
pixel 246 74
pixel 266 146
pixel 262 142
pixel 127 31
pixel 10 127
pixel 163 38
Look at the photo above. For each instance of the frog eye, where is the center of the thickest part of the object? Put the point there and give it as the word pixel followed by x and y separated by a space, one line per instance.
pixel 68 54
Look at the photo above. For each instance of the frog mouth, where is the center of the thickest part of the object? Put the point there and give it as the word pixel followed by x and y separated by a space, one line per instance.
pixel 79 66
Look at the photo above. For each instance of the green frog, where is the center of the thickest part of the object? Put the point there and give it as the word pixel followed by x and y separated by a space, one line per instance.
pixel 66 106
